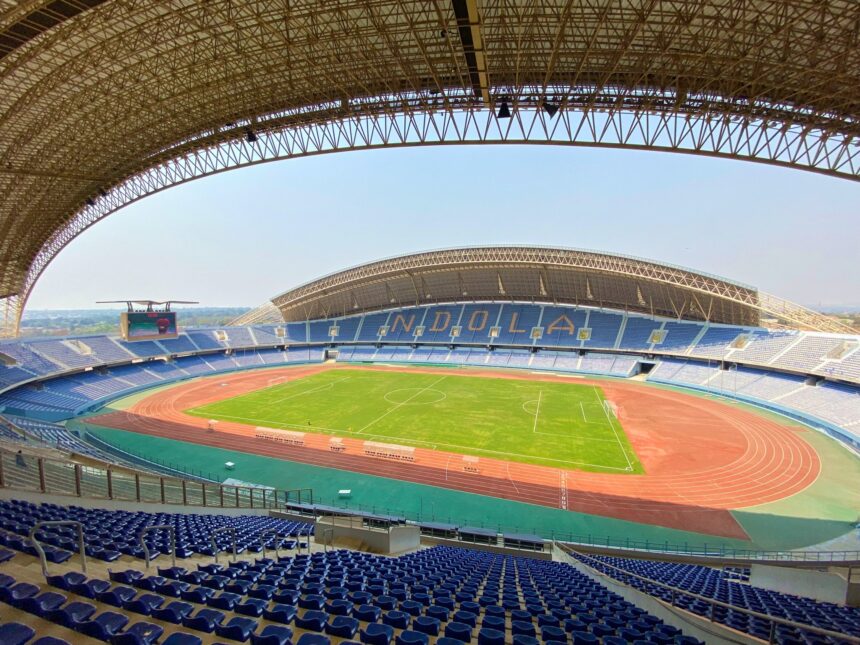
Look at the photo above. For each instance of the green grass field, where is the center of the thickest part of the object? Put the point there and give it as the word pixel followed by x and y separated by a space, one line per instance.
pixel 564 425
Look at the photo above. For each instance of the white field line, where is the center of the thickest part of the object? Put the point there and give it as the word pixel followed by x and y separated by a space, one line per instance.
pixel 614 431
pixel 566 435
pixel 399 405
pixel 582 407
pixel 537 411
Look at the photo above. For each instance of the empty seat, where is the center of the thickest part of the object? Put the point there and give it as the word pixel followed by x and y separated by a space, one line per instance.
pixel 466 617
pixel 72 614
pixel 204 620
pixel 15 633
pixel 280 614
pixel 339 607
pixel 225 600
pixel 272 635
pixel 181 638
pixel 426 625
pixel 117 596
pixel 396 618
pixel 377 634
pixel 104 625
pixel 18 593
pixel 552 633
pixel 67 580
pixel 313 639
pixel 342 626
pixel 251 607
pixel 238 628
pixel 488 636
pixel 139 634
pixel 412 638
pixel 174 612
pixel 311 601
pixel 367 613
pixel 522 627
pixel 460 631
pixel 44 603
pixel 145 603
pixel 440 613
pixel 312 620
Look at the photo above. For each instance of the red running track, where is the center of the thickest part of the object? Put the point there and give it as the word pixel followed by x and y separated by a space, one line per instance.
pixel 701 457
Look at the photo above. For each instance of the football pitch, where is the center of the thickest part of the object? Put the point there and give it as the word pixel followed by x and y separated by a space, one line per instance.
pixel 563 425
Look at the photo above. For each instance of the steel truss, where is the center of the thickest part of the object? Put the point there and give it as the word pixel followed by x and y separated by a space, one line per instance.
pixel 430 124
pixel 621 267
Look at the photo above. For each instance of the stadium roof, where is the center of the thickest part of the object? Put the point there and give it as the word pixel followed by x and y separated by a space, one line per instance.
pixel 536 274
pixel 105 101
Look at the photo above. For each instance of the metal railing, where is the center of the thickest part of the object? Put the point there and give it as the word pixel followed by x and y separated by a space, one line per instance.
pixel 299 541
pixel 41 552
pixel 277 542
pixel 215 548
pixel 39 474
pixel 328 538
pixel 675 592
pixel 145 547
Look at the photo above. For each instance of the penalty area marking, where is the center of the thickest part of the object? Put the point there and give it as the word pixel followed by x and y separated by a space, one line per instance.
pixel 566 435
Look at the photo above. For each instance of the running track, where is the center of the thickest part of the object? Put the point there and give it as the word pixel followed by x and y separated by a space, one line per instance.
pixel 701 457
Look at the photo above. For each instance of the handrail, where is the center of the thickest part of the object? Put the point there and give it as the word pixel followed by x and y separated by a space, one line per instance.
pixel 224 529
pixel 774 620
pixel 328 537
pixel 308 536
pixel 147 529
pixel 42 558
pixel 274 532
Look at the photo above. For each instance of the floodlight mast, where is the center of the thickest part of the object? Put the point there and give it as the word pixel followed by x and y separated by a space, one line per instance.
pixel 151 305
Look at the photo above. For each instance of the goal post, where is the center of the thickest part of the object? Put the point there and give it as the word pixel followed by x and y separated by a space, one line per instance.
pixel 609 408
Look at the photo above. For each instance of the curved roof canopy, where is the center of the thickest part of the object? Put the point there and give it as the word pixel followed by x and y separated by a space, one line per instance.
pixel 536 274
pixel 105 101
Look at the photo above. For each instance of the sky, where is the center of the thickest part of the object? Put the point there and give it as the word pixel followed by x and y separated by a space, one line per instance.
pixel 241 237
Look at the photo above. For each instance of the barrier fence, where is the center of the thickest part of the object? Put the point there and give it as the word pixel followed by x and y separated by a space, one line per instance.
pixel 24 472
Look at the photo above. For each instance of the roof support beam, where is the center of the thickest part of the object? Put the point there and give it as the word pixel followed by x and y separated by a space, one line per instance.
pixel 471 37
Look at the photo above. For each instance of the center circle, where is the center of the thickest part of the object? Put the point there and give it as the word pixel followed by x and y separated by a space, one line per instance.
pixel 414 396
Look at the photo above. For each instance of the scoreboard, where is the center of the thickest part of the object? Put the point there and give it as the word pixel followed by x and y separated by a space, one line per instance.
pixel 148 325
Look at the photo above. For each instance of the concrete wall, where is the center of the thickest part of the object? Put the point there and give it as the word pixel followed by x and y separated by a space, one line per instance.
pixel 398 539
pixel 826 586
pixel 490 548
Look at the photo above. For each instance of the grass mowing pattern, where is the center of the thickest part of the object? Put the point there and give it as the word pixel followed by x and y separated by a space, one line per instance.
pixel 564 425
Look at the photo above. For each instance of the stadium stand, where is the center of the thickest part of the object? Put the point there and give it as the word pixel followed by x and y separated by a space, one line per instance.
pixel 714 583
pixel 63 353
pixel 716 341
pixel 637 332
pixel 29 359
pixel 448 592
pixel 57 378
pixel 604 329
